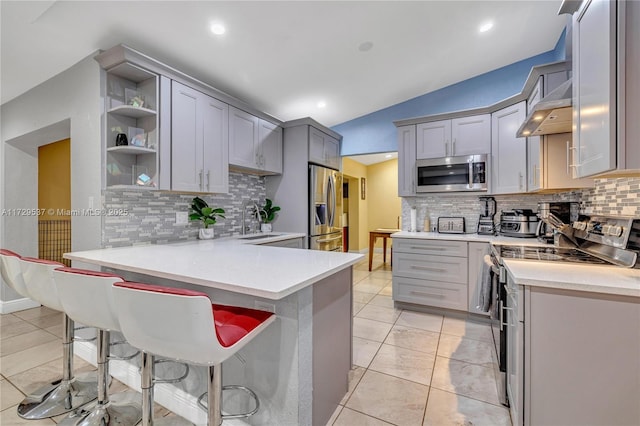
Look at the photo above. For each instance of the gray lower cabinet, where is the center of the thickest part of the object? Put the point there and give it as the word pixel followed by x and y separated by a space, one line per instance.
pixel 581 358
pixel 430 272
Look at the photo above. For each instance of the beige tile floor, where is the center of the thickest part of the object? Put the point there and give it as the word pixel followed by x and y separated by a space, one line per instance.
pixel 411 368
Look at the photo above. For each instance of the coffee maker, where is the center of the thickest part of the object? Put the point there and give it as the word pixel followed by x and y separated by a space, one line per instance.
pixel 485 222
pixel 566 211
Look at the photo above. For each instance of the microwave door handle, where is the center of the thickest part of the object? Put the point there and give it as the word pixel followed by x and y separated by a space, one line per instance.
pixel 470 175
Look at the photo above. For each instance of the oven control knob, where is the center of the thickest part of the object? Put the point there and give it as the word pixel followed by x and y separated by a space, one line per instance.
pixel 580 226
pixel 615 231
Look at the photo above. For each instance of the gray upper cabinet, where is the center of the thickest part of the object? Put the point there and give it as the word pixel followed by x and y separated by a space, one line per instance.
pixel 406 161
pixel 508 153
pixel 324 149
pixel 606 88
pixel 433 139
pixel 254 143
pixel 199 135
pixel 594 87
pixel 459 136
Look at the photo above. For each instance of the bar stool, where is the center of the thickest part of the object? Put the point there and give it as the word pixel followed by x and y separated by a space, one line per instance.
pixel 185 325
pixel 11 272
pixel 87 297
pixel 71 392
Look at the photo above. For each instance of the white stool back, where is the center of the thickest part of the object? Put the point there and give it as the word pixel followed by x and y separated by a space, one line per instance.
pixel 11 271
pixel 183 324
pixel 38 279
pixel 87 296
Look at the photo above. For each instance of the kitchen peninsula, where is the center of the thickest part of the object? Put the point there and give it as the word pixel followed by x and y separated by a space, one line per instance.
pixel 298 366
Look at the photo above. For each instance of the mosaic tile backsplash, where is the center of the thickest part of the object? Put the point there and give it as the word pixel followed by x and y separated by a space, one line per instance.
pixel 620 196
pixel 151 215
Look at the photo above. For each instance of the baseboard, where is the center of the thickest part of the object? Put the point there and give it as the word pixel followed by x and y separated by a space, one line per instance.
pixel 17 305
pixel 169 396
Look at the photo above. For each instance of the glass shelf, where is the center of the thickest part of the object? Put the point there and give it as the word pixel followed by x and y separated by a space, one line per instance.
pixel 131 111
pixel 130 149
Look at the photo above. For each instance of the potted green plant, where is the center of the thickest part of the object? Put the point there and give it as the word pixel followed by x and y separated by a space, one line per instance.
pixel 267 214
pixel 200 210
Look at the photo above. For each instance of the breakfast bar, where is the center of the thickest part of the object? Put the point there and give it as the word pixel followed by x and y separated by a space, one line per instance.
pixel 298 366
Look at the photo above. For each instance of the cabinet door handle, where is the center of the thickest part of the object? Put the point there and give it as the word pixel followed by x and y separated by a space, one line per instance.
pixel 201 182
pixel 453 147
pixel 446 148
pixel 208 181
pixel 568 155
pixel 520 180
pixel 424 293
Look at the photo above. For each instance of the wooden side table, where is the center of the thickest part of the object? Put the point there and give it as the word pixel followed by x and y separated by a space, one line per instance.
pixel 383 233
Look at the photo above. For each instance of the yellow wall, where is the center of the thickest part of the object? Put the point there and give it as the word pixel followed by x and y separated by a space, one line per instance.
pixel 381 207
pixel 384 205
pixel 54 178
pixel 358 212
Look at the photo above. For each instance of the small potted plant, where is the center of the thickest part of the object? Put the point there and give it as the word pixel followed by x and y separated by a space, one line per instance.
pixel 200 210
pixel 267 214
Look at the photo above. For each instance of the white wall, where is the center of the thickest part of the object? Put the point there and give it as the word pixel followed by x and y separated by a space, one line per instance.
pixel 68 103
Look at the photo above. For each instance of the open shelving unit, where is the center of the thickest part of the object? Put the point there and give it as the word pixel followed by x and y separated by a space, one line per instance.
pixel 131 108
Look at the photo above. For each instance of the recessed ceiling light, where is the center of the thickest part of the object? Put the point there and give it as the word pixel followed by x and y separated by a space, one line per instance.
pixel 321 104
pixel 388 156
pixel 217 28
pixel 486 27
pixel 366 46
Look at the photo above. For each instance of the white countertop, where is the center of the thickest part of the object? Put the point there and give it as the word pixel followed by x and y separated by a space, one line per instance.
pixel 233 264
pixel 591 278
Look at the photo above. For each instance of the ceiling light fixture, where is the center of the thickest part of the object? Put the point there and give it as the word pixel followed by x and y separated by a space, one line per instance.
pixel 217 28
pixel 388 156
pixel 321 104
pixel 486 27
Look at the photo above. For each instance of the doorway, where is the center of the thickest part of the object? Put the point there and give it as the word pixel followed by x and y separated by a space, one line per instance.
pixel 351 212
pixel 54 201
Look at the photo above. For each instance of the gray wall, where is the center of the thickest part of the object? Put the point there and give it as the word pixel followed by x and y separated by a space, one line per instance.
pixel 68 105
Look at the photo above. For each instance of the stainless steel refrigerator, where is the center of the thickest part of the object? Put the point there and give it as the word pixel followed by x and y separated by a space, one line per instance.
pixel 325 209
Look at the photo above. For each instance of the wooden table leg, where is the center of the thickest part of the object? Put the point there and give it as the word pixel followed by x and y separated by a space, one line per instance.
pixel 372 242
pixel 384 249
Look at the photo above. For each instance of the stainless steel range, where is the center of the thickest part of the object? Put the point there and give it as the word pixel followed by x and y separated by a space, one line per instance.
pixel 595 240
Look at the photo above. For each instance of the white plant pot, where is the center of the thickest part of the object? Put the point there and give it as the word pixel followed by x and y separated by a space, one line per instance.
pixel 205 233
pixel 266 227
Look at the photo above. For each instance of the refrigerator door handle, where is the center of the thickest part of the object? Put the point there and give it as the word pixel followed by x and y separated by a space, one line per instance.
pixel 331 200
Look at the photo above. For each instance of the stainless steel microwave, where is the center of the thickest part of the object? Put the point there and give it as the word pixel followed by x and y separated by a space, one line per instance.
pixel 452 174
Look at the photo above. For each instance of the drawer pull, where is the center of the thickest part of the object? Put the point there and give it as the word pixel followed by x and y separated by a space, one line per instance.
pixel 426 268
pixel 429 248
pixel 424 293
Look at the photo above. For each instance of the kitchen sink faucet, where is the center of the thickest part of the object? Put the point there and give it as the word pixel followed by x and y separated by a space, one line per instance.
pixel 254 209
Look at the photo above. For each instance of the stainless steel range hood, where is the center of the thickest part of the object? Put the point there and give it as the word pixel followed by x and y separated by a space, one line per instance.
pixel 553 114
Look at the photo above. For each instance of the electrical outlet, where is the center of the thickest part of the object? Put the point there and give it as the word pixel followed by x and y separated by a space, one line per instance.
pixel 181 218
pixel 264 306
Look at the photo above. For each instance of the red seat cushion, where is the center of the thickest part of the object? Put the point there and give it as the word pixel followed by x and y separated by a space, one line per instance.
pixel 44 261
pixel 232 323
pixel 6 252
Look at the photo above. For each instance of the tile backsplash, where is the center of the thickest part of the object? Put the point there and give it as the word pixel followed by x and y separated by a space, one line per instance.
pixel 619 196
pixel 150 216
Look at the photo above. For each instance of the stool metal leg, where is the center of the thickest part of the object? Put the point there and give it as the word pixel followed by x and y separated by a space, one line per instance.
pixel 146 383
pixel 104 411
pixel 214 396
pixel 64 395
